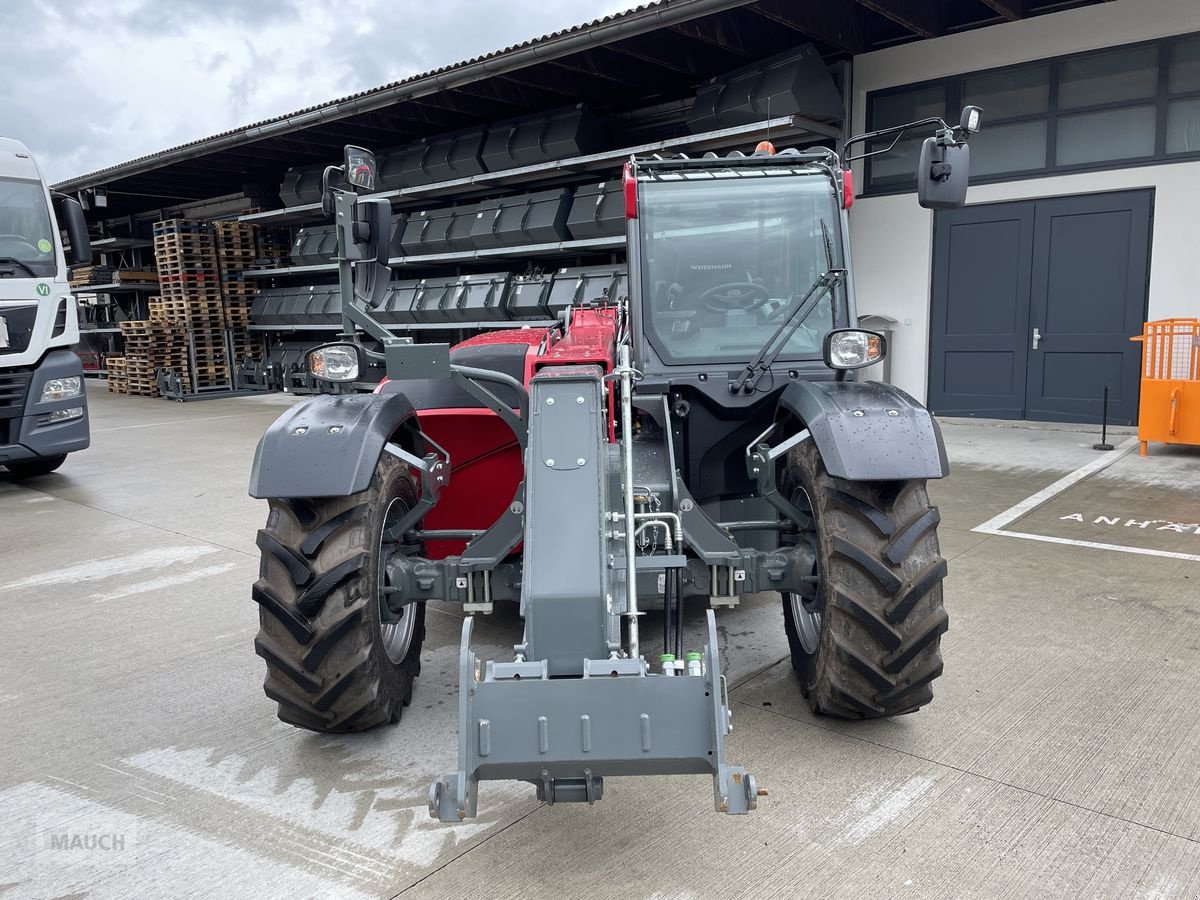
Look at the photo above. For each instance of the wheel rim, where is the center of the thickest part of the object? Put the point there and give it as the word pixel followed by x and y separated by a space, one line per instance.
pixel 807 619
pixel 808 624
pixel 397 636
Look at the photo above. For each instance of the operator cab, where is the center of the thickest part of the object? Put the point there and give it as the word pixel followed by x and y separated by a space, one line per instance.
pixel 727 254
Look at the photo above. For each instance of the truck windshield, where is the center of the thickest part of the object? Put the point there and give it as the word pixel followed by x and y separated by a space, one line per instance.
pixel 725 259
pixel 26 233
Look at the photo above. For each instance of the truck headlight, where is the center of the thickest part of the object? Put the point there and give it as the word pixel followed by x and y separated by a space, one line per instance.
pixel 853 348
pixel 62 388
pixel 334 362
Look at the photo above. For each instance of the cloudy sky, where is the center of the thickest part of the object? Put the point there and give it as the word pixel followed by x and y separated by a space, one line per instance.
pixel 86 84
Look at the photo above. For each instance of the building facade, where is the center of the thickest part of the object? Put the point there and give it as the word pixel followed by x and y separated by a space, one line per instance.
pixel 1082 215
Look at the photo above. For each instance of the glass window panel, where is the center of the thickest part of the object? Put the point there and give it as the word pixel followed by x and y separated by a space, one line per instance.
pixel 1108 134
pixel 1018 147
pixel 1108 78
pixel 908 106
pixel 1003 95
pixel 898 166
pixel 1184 72
pixel 1183 126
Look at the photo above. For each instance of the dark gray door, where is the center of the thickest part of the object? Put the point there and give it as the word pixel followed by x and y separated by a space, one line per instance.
pixel 1090 261
pixel 980 329
pixel 1034 304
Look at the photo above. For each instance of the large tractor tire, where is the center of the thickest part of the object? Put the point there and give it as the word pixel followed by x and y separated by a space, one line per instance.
pixel 332 666
pixel 865 640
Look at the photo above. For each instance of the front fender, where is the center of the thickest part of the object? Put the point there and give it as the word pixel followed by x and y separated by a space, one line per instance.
pixel 867 431
pixel 327 446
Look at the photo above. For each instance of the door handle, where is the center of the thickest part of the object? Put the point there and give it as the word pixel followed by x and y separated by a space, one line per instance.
pixel 1037 338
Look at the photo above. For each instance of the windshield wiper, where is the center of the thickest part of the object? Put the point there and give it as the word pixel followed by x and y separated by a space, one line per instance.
pixel 8 260
pixel 766 356
pixel 769 352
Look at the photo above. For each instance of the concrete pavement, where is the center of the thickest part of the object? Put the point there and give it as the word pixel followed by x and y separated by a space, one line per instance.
pixel 1061 755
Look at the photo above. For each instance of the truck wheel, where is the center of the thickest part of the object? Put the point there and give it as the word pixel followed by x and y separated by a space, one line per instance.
pixel 332 665
pixel 865 639
pixel 35 467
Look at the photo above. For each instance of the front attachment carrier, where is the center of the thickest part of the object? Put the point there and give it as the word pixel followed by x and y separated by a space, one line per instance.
pixel 564 735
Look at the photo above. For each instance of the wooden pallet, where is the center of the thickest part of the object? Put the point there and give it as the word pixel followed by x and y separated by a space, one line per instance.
pixel 181 226
pixel 117 383
pixel 135 276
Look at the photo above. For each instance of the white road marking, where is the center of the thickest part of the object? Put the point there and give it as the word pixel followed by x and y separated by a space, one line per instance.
pixel 40 498
pixel 890 809
pixel 1033 501
pixel 380 819
pixel 141 781
pixel 171 422
pixel 1096 545
pixel 154 584
pixel 995 525
pixel 109 566
pixel 58 844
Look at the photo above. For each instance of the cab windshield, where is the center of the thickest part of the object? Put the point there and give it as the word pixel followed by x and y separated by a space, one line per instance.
pixel 726 260
pixel 26 234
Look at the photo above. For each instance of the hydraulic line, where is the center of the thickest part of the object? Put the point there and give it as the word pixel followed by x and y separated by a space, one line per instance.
pixel 676 585
pixel 625 370
pixel 667 613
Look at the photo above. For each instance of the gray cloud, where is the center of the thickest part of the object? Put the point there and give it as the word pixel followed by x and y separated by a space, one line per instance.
pixel 91 84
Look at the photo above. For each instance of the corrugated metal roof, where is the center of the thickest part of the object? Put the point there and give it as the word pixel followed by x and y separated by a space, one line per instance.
pixel 311 113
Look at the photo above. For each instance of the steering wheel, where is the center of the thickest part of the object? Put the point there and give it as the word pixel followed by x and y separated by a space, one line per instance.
pixel 734 295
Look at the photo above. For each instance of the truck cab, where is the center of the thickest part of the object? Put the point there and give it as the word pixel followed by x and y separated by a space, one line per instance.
pixel 43 406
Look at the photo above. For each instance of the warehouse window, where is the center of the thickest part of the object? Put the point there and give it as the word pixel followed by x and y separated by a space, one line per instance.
pixel 1103 109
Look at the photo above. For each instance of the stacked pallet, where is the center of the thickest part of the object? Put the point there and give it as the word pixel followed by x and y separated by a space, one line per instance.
pixel 153 344
pixel 86 276
pixel 235 254
pixel 189 277
pixel 82 276
pixel 116 375
pixel 237 244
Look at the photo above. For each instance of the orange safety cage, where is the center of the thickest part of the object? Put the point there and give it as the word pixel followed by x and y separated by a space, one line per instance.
pixel 1169 411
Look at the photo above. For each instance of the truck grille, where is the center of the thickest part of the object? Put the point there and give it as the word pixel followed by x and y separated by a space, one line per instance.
pixel 19 321
pixel 14 385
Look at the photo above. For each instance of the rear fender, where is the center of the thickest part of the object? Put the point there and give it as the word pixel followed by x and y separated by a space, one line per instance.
pixel 327 446
pixel 867 431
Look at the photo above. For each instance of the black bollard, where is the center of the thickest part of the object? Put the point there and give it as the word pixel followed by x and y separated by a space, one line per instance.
pixel 1104 444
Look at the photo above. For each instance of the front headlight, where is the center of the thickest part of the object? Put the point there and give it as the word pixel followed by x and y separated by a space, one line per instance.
pixel 853 348
pixel 334 362
pixel 62 388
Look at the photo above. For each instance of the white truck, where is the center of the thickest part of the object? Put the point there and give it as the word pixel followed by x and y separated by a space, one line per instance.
pixel 43 408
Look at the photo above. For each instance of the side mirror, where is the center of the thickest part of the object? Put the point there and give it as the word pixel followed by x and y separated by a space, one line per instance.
pixel 360 169
pixel 77 231
pixel 328 178
pixel 942 174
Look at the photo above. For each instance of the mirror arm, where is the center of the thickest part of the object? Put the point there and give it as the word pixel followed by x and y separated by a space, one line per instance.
pixel 897 130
